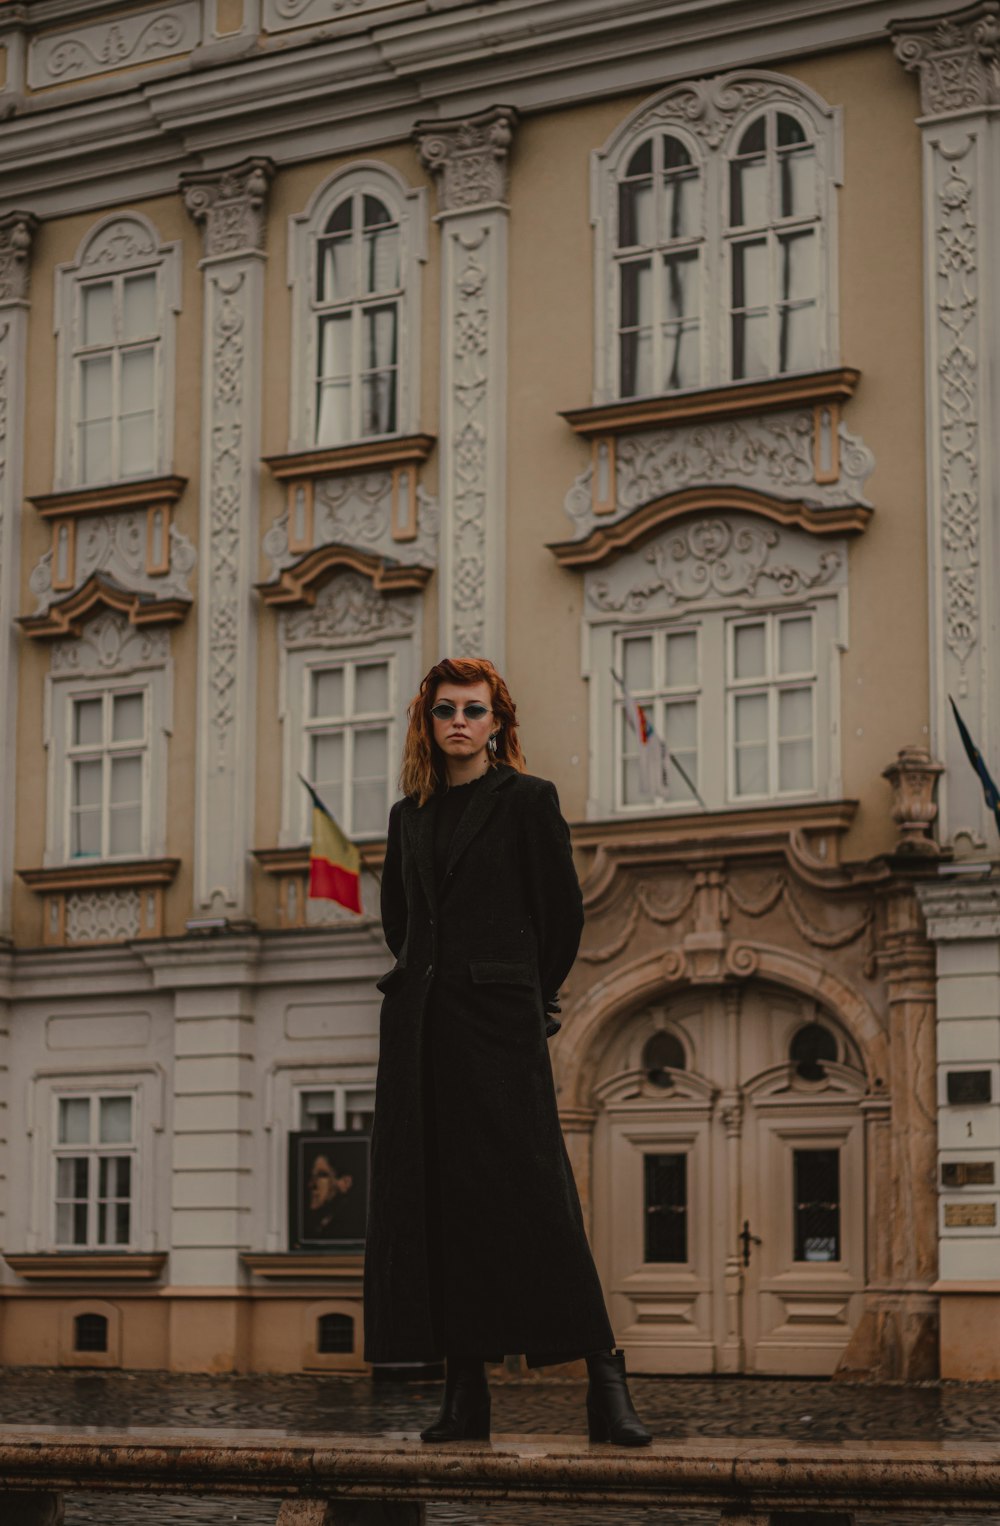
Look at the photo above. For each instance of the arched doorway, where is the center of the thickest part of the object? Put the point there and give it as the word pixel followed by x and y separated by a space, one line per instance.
pixel 728 1185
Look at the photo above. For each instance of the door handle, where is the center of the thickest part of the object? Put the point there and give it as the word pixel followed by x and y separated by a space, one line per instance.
pixel 747 1240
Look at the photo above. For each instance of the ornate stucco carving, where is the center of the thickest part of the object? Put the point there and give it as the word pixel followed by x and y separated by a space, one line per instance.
pixel 709 107
pixel 357 511
pixel 55 58
pixel 468 157
pixel 713 560
pixel 118 244
pixel 281 15
pixel 115 545
pixel 103 916
pixel 773 453
pixel 231 206
pixel 109 646
pixel 17 229
pixel 346 608
pixel 956 56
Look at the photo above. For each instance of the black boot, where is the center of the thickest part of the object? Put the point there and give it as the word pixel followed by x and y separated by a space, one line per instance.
pixel 610 1412
pixel 465 1412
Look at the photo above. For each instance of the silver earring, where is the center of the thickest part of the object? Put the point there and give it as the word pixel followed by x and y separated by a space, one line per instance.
pixel 491 745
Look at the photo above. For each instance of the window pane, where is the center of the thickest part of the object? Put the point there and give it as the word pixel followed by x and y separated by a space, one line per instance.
pixel 371 753
pixel 71 1224
pixel 790 130
pixel 378 403
pixel 680 192
pixel 95 388
pixel 74 1120
pixel 371 773
pixel 116 1120
pixel 85 834
pixel 97 326
pixel 380 325
pixel 795 765
pixel 138 452
pixel 680 730
pixel 335 269
pixel 797 339
pixel 71 1176
pixel 335 347
pixel 328 768
pixel 381 258
pixel 797 267
pixel 138 380
pixel 123 1223
pixel 665 1182
pixel 636 363
pixel 750 713
pixel 795 645
pixel 126 781
pixel 681 274
pixel 127 718
pixel 360 1109
pixel 750 651
pixel 751 346
pixel 637 659
pixel 682 660
pixel 139 307
pixel 95 452
pixel 681 357
pixel 317 1112
pixel 748 192
pixel 333 413
pixel 636 224
pixel 327 692
pixel 750 280
pixel 795 713
pixel 371 688
pixel 797 184
pixel 125 836
pixel 87 783
pixel 816 1205
pixel 87 722
pixel 636 294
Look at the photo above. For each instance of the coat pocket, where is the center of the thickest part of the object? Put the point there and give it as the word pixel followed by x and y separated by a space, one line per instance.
pixel 390 978
pixel 502 972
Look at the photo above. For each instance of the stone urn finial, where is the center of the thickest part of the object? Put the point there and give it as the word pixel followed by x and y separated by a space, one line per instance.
pixel 913 777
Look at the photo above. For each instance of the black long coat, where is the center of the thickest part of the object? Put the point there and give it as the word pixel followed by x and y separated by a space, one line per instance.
pixel 493 1259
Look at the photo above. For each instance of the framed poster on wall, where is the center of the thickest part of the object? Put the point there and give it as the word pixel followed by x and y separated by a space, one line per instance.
pixel 327 1190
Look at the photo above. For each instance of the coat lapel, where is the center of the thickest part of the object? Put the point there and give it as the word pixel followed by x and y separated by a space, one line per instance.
pixel 420 829
pixel 477 812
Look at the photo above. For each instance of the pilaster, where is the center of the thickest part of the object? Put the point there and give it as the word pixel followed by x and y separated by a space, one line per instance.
pixel 230 206
pixel 16 232
pixel 956 58
pixel 468 158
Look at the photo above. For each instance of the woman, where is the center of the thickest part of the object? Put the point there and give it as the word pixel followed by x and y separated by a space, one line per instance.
pixel 476 1247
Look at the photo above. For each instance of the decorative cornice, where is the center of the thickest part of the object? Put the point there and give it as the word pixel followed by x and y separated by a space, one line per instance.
pixel 405 450
pixel 606 542
pixel 89 1266
pixel 298 585
pixel 89 875
pixel 468 157
pixel 740 399
pixel 149 493
pixel 956 56
pixel 962 906
pixel 68 616
pixel 231 206
pixel 17 230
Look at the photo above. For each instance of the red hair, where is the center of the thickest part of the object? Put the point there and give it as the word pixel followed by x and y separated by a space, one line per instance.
pixel 423 761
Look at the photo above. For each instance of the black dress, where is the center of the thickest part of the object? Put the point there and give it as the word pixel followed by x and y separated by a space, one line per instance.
pixel 476 1243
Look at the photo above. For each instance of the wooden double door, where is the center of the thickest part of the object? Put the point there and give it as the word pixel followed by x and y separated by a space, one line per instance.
pixel 729 1187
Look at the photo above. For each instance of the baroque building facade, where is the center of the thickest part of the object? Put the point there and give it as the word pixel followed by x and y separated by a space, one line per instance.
pixel 631 347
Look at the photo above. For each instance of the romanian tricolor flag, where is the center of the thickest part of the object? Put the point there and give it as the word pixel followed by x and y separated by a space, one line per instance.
pixel 334 861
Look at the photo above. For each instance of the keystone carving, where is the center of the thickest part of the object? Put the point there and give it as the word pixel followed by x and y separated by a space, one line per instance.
pixel 468 157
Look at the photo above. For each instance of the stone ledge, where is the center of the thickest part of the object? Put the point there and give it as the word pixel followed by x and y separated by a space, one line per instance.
pixel 735 399
pixel 92 1266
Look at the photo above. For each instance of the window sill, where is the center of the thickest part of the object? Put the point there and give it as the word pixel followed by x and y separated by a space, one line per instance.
pixel 821 822
pixel 87 1266
pixel 324 1266
pixel 810 390
pixel 112 901
pixel 290 866
pixel 364 455
pixel 111 498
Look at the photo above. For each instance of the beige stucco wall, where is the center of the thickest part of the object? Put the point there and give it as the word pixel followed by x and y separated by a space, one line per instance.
pixel 884 673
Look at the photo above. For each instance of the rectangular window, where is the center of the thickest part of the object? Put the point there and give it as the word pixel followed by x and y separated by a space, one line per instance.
pixel 665 1208
pixel 116 361
pixel 771 685
pixel 337 1110
pixel 349 733
pixel 95 1161
pixel 107 765
pixel 816 1204
pixel 661 670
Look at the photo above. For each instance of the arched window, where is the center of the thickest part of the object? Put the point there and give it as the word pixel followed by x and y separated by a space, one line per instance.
pixel 658 258
pixel 715 250
pixel 773 234
pixel 90 1332
pixel 334 1333
pixel 353 269
pixel 811 1046
pixel 114 322
pixel 663 1053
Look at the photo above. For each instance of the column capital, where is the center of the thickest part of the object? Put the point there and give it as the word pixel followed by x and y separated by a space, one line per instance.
pixel 956 55
pixel 17 230
pixel 468 157
pixel 231 205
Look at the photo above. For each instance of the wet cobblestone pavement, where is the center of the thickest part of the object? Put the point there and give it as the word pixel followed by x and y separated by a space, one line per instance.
pixel 794 1409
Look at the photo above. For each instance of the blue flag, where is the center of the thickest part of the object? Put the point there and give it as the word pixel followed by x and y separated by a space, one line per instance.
pixel 990 792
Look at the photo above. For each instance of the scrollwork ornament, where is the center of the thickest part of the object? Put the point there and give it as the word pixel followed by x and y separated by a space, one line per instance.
pixel 348 607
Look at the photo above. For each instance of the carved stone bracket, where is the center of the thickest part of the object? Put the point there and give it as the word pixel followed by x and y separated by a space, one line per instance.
pixel 230 204
pixel 128 559
pixel 86 903
pixel 956 57
pixel 468 156
pixel 17 230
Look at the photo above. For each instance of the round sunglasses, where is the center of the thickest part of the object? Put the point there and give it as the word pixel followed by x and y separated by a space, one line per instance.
pixel 472 712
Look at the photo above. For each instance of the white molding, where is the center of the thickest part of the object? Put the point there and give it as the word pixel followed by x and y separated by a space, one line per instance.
pixel 123 243
pixel 409 204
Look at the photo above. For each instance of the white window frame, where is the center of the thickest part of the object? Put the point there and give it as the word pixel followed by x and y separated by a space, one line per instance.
pixel 83 669
pixel 104 752
pixel 94 1151
pixel 771 685
pixel 123 244
pixel 349 661
pixel 340 1091
pixel 723 124
pixel 408 205
pixel 655 705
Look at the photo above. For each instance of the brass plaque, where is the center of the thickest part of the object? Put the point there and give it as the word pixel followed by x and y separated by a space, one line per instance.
pixel 967 1173
pixel 970 1215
